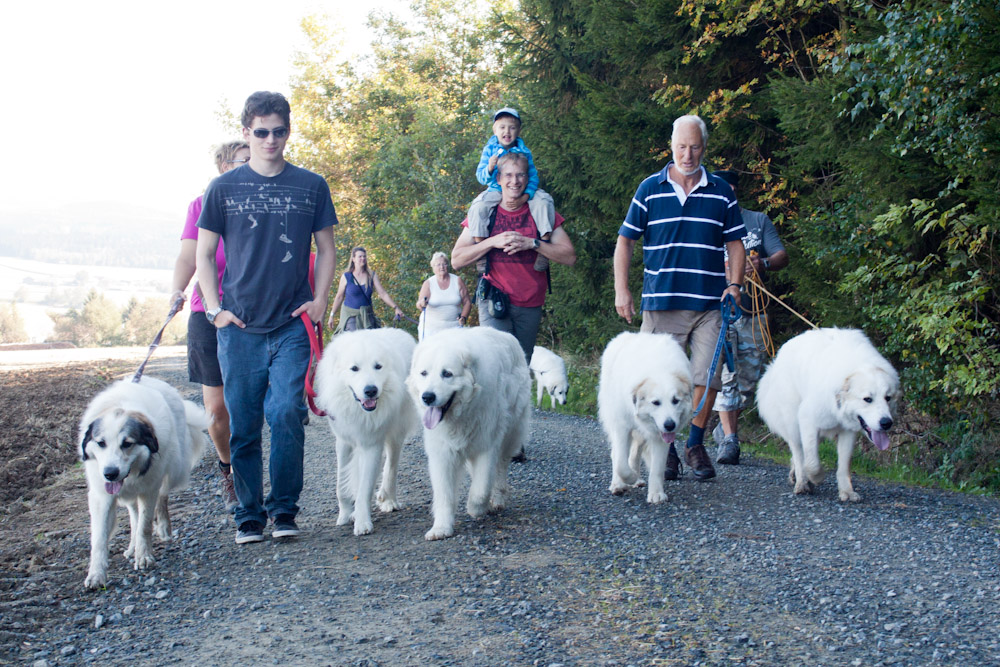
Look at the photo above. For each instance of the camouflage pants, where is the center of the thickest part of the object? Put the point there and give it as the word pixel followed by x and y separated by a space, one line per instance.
pixel 747 343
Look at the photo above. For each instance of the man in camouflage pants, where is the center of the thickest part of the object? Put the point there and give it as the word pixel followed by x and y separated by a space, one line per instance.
pixel 764 253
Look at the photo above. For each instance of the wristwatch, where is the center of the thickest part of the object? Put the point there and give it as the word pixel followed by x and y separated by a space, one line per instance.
pixel 766 262
pixel 212 314
pixel 536 243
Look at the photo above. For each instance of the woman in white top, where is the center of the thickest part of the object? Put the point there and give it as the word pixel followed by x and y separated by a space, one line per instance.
pixel 444 300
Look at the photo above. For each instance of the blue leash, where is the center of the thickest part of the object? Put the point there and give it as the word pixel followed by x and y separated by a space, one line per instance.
pixel 730 313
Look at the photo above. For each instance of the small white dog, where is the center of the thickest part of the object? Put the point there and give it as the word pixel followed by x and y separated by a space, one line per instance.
pixel 474 388
pixel 643 399
pixel 828 383
pixel 360 384
pixel 549 370
pixel 138 443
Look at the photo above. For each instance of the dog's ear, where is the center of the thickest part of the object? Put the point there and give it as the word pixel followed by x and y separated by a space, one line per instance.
pixel 140 429
pixel 844 390
pixel 86 438
pixel 685 382
pixel 639 394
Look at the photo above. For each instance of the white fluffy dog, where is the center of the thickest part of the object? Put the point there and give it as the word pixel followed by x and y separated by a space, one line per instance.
pixel 474 389
pixel 828 383
pixel 360 384
pixel 644 397
pixel 550 375
pixel 138 442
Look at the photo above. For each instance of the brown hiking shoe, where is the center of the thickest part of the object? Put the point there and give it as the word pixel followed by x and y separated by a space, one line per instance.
pixel 701 464
pixel 673 468
pixel 228 491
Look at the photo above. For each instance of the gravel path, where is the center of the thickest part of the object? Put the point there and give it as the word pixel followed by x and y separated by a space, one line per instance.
pixel 736 571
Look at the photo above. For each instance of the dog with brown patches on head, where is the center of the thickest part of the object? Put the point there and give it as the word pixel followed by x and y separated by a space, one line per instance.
pixel 138 443
pixel 828 383
pixel 644 398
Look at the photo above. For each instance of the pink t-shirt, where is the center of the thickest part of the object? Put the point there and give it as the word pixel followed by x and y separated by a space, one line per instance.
pixel 191 232
pixel 515 274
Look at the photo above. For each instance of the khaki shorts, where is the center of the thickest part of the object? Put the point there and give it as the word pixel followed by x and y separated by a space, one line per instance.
pixel 697 332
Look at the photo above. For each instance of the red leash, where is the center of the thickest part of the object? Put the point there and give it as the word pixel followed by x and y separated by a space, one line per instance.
pixel 315 332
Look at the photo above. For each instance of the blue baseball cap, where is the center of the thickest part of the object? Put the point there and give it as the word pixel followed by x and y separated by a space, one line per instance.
pixel 506 111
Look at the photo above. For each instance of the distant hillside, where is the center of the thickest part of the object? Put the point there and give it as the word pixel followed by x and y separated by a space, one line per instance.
pixel 103 235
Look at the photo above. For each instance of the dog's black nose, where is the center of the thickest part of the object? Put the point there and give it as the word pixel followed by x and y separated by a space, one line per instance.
pixel 885 423
pixel 428 397
pixel 669 425
pixel 371 391
pixel 111 474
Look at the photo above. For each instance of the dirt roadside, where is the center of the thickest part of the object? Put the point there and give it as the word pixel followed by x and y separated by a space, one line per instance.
pixel 735 571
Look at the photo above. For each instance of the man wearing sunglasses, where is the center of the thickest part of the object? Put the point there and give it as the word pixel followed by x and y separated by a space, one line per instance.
pixel 267 212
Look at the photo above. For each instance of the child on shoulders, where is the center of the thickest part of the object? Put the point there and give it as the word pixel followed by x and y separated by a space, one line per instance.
pixel 506 137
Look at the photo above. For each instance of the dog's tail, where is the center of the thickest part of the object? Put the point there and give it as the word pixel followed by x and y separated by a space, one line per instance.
pixel 197 421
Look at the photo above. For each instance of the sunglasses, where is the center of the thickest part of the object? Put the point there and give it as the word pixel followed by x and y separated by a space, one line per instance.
pixel 278 132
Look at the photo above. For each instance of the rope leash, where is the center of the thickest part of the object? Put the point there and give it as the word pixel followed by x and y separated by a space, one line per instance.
pixel 730 313
pixel 174 309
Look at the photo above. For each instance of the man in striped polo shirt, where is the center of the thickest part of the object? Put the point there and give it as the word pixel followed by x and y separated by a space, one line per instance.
pixel 686 218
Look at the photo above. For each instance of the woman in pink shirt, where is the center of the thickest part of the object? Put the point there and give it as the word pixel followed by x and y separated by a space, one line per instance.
pixel 203 360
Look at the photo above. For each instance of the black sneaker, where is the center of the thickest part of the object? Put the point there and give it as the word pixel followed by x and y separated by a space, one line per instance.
pixel 284 526
pixel 673 469
pixel 250 531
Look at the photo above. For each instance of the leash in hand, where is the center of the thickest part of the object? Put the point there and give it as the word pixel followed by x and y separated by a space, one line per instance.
pixel 730 313
pixel 174 309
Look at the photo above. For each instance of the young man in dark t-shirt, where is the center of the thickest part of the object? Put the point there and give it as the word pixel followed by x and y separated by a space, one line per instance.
pixel 267 212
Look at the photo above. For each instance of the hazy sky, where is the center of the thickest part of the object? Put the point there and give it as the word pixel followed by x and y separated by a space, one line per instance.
pixel 114 101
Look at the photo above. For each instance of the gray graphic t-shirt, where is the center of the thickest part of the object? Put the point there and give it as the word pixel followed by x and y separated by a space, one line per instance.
pixel 267 224
pixel 761 236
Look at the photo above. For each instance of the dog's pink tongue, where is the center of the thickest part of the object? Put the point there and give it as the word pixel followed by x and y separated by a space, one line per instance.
pixel 668 437
pixel 432 417
pixel 881 439
pixel 369 404
pixel 112 487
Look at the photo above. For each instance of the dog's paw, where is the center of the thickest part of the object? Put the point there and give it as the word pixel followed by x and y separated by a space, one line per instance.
pixel 618 489
pixel 656 498
pixel 640 484
pixel 344 518
pixel 849 496
pixel 162 531
pixel 387 504
pixel 363 527
pixel 439 533
pixel 144 561
pixel 803 487
pixel 791 476
pixel 95 580
pixel 128 553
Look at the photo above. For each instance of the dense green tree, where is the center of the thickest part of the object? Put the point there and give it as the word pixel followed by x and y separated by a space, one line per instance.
pixel 399 137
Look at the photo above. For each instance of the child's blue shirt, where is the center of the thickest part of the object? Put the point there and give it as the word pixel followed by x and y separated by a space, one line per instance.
pixel 492 148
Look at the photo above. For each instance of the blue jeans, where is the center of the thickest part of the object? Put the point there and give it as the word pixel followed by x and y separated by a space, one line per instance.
pixel 263 376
